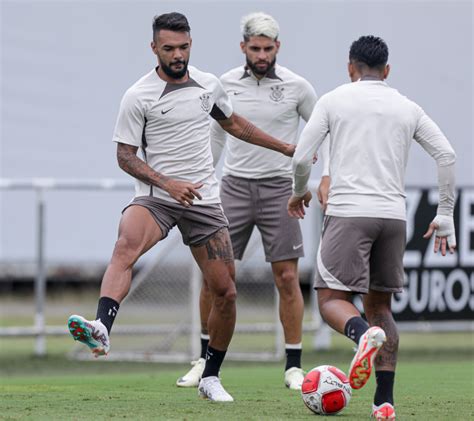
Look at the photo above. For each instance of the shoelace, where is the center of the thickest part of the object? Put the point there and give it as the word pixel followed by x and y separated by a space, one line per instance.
pixel 213 381
pixel 102 339
pixel 97 335
pixel 215 384
pixel 211 386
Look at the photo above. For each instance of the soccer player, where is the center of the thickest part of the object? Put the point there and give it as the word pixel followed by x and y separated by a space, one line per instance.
pixel 166 115
pixel 256 182
pixel 371 127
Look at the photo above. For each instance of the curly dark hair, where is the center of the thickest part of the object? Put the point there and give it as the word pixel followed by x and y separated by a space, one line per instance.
pixel 171 21
pixel 369 50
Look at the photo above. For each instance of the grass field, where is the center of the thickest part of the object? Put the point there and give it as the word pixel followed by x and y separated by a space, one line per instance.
pixel 435 381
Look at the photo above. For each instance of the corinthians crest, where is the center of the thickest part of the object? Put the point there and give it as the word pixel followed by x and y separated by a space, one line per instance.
pixel 277 93
pixel 205 102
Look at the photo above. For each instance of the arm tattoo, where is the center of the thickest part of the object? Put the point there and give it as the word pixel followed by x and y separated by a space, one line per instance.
pixel 247 132
pixel 129 162
pixel 219 246
pixel 242 129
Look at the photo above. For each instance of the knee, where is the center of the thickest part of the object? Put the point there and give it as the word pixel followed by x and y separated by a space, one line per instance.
pixel 287 283
pixel 226 293
pixel 378 305
pixel 382 316
pixel 377 313
pixel 330 301
pixel 125 253
pixel 325 310
pixel 324 300
pixel 230 294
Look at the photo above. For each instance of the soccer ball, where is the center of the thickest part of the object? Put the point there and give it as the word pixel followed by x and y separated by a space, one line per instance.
pixel 326 390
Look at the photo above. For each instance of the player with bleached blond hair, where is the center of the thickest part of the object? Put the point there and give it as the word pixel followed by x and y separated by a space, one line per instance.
pixel 166 114
pixel 256 183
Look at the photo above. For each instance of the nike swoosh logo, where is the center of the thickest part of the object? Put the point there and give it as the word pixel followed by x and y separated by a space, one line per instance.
pixel 297 247
pixel 167 111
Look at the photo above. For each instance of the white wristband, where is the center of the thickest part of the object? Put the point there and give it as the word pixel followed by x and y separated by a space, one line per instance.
pixel 445 228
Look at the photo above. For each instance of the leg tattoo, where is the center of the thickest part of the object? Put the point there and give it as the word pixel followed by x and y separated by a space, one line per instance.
pixel 220 247
pixel 386 359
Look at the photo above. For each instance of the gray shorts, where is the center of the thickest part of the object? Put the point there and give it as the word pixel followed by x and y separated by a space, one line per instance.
pixel 197 223
pixel 262 203
pixel 358 254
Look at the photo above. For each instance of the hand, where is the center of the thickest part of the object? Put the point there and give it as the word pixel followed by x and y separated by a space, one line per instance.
pixel 297 204
pixel 289 149
pixel 323 192
pixel 443 225
pixel 183 191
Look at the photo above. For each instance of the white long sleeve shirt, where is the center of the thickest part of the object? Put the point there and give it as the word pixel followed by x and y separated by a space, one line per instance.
pixel 371 127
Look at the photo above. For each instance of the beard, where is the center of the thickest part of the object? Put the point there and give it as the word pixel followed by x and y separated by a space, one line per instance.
pixel 175 74
pixel 259 71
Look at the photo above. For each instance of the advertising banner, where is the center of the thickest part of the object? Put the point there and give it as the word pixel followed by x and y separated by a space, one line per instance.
pixel 437 288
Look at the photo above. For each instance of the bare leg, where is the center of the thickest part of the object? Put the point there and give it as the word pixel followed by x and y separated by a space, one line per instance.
pixel 336 308
pixel 138 232
pixel 216 306
pixel 377 306
pixel 216 261
pixel 205 305
pixel 194 375
pixel 285 273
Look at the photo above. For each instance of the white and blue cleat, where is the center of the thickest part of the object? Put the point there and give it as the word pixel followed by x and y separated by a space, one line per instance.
pixel 91 333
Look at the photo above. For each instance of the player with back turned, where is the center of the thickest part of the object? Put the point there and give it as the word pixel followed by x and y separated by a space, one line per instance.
pixel 166 115
pixel 372 127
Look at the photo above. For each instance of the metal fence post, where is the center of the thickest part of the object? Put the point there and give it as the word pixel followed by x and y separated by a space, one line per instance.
pixel 40 280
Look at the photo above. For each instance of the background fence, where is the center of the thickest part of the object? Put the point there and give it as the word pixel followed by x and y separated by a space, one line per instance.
pixel 159 320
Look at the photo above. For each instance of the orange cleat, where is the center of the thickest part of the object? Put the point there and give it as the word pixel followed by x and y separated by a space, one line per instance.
pixel 361 366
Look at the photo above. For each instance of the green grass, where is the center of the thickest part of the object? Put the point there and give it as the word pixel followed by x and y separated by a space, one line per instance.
pixel 435 381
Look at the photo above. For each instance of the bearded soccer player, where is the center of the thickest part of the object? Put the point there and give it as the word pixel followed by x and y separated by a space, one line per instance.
pixel 256 182
pixel 372 127
pixel 166 115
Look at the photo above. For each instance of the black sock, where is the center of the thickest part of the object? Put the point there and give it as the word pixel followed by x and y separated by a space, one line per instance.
pixel 293 358
pixel 355 328
pixel 384 391
pixel 214 360
pixel 204 344
pixel 106 311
